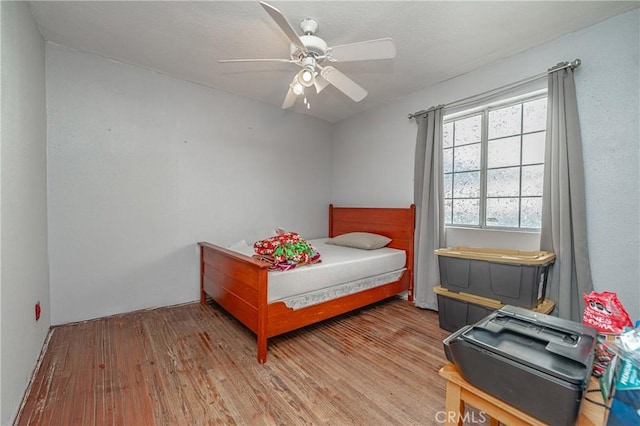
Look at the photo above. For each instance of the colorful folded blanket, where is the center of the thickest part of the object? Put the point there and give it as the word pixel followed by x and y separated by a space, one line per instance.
pixel 285 251
pixel 274 265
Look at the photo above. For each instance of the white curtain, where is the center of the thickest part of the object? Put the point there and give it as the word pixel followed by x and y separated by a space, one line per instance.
pixel 564 229
pixel 428 198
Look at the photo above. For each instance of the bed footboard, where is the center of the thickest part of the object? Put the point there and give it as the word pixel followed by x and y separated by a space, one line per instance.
pixel 239 284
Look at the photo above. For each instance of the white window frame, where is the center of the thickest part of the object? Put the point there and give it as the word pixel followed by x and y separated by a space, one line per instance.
pixel 484 110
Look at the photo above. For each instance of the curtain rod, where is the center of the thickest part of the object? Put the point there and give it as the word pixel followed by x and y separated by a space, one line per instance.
pixel 562 65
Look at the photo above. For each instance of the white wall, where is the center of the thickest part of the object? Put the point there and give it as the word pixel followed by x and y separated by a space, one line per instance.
pixel 374 151
pixel 24 273
pixel 142 166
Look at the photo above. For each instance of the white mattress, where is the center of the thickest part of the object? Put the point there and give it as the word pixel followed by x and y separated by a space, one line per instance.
pixel 339 265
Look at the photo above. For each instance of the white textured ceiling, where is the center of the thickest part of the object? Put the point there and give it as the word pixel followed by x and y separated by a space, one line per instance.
pixel 436 40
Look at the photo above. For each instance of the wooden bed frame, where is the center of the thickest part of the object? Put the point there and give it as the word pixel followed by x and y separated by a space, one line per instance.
pixel 239 283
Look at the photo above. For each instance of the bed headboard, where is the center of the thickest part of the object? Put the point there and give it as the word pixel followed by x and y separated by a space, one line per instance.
pixel 395 223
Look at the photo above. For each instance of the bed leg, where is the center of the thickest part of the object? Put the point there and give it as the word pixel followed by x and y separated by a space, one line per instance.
pixel 262 350
pixel 410 294
pixel 203 296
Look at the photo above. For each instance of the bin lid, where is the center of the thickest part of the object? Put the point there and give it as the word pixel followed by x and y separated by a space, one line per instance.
pixel 498 255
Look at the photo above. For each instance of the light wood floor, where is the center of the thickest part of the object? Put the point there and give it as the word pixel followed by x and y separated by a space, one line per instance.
pixel 193 365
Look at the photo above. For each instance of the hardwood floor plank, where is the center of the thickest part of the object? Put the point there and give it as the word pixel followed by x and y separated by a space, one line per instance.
pixel 194 365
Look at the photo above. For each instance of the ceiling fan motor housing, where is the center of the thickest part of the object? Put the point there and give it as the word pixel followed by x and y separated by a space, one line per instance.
pixel 314 44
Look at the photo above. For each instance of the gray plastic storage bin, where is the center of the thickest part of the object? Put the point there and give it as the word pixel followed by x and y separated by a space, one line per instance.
pixel 453 314
pixel 512 277
pixel 455 310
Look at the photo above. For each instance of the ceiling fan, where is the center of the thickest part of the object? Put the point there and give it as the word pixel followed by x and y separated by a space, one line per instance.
pixel 310 52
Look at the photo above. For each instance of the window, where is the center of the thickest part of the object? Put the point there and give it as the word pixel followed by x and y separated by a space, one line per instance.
pixel 493 165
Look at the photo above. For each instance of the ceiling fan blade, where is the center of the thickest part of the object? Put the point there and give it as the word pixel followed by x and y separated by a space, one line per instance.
pixel 320 83
pixel 343 83
pixel 284 25
pixel 383 48
pixel 290 99
pixel 226 61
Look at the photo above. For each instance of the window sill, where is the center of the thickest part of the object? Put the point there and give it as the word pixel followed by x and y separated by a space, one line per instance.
pixel 492 238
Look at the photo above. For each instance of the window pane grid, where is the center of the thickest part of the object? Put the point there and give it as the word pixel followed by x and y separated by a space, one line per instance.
pixel 496 182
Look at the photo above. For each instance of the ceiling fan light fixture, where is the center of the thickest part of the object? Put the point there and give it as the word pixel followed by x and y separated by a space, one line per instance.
pixel 307 75
pixel 298 89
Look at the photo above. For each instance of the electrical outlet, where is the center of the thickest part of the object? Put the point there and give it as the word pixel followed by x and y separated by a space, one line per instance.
pixel 38 310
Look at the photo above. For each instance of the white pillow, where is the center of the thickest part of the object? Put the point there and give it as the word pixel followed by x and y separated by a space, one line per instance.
pixel 242 247
pixel 361 240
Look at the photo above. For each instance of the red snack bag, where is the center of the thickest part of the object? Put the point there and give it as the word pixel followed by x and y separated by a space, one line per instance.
pixel 605 313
